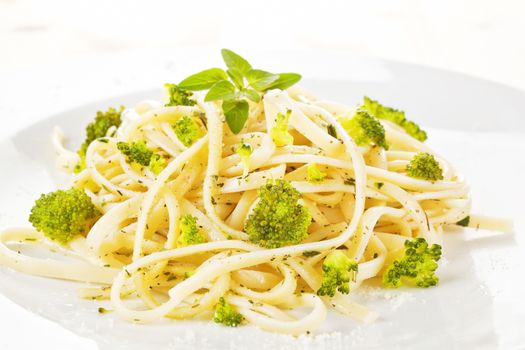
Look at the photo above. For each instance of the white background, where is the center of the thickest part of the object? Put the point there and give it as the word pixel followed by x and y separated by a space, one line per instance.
pixel 479 37
pixel 42 43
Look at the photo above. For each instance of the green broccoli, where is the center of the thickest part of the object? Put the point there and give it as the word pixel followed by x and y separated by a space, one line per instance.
pixel 414 265
pixel 414 130
pixel 364 129
pixel 63 214
pixel 190 232
pixel 136 152
pixel 424 166
pixel 226 314
pixel 278 220
pixel 178 96
pixel 187 130
pixel 337 267
pixel 280 135
pixel 314 174
pixel 379 111
pixel 97 129
pixel 157 163
pixel 245 151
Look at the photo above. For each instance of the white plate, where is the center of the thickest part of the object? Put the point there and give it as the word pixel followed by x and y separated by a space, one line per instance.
pixel 479 302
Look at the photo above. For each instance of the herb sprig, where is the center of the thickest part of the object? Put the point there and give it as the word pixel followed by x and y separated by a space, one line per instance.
pixel 235 86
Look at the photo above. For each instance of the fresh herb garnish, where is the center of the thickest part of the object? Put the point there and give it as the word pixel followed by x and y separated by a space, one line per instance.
pixel 236 113
pixel 203 80
pixel 349 181
pixel 464 222
pixel 235 85
pixel 331 130
pixel 310 253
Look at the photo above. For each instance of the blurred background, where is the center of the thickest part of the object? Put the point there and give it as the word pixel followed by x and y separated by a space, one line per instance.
pixel 55 54
pixel 478 37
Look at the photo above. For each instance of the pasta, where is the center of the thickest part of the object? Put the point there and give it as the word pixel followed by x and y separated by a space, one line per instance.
pixel 364 205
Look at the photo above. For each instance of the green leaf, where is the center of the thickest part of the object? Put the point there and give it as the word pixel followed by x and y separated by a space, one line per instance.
pixel 203 80
pixel 260 80
pixel 236 113
pixel 236 77
pixel 221 90
pixel 235 62
pixel 251 94
pixel 284 81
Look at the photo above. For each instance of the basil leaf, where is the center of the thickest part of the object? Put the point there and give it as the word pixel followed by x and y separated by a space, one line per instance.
pixel 221 90
pixel 260 80
pixel 284 81
pixel 203 80
pixel 236 113
pixel 251 94
pixel 236 77
pixel 235 62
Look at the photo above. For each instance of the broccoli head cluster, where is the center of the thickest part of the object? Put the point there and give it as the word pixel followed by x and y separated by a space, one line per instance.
pixel 138 153
pixel 226 314
pixel 157 163
pixel 64 214
pixel 337 268
pixel 278 219
pixel 96 129
pixel 178 96
pixel 187 130
pixel 415 266
pixel 424 166
pixel 280 135
pixel 190 232
pixel 364 129
pixel 314 174
pixel 396 116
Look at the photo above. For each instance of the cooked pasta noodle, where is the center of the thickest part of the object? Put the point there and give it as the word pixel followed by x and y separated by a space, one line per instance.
pixel 367 206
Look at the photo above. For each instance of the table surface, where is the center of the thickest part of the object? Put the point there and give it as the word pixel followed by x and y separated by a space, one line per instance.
pixel 57 54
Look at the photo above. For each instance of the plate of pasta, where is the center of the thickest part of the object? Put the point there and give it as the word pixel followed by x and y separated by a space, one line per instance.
pixel 239 206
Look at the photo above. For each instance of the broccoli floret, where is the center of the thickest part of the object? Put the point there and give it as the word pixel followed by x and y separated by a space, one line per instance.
pixel 415 266
pixel 187 130
pixel 424 166
pixel 245 151
pixel 377 110
pixel 314 174
pixel 364 129
pixel 157 163
pixel 278 220
pixel 63 214
pixel 136 152
pixel 190 232
pixel 337 268
pixel 226 314
pixel 178 96
pixel 414 130
pixel 97 129
pixel 280 135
